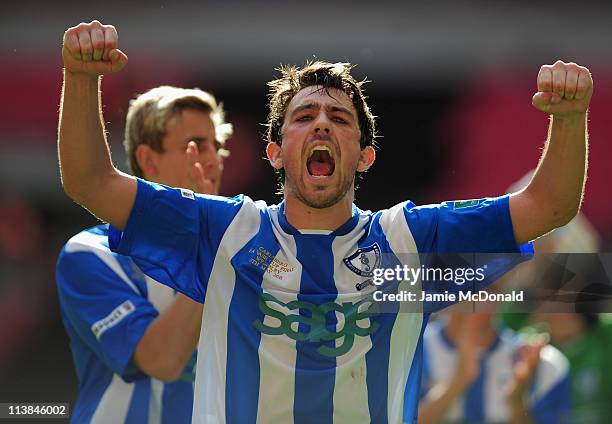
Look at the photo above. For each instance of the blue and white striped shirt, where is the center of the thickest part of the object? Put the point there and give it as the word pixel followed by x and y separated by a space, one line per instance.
pixel 484 401
pixel 286 336
pixel 107 303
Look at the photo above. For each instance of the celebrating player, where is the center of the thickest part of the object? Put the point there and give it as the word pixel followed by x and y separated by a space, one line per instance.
pixel 283 339
pixel 132 339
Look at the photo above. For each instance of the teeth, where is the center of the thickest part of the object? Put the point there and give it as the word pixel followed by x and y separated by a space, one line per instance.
pixel 321 148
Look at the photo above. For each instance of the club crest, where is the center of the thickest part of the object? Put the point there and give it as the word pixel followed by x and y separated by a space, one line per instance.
pixel 364 261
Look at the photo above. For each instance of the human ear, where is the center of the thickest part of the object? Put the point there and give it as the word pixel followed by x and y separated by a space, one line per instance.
pixel 273 151
pixel 147 160
pixel 366 158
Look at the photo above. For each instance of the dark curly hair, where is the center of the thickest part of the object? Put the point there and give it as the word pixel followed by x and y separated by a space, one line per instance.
pixel 327 75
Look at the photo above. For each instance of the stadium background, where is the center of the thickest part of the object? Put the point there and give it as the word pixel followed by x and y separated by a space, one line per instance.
pixel 451 83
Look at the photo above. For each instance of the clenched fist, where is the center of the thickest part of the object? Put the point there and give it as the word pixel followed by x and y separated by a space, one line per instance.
pixel 563 89
pixel 92 49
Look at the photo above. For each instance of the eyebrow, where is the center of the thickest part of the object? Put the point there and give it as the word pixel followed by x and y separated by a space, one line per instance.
pixel 339 109
pixel 197 139
pixel 317 106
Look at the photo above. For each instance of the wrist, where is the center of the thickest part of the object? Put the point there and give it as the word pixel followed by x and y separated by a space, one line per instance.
pixel 80 77
pixel 570 118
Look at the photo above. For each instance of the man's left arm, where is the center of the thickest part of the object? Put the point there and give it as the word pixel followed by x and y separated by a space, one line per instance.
pixel 553 196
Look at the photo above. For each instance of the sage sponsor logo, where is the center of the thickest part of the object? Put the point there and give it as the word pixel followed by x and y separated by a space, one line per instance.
pixel 316 328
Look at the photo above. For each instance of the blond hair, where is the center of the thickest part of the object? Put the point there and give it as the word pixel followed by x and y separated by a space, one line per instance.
pixel 150 112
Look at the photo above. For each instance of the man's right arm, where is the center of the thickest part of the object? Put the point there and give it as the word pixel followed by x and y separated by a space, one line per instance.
pixel 87 172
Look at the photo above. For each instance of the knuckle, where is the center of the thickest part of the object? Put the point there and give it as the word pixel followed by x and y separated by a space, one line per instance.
pixel 558 66
pixel 110 30
pixel 70 32
pixel 573 67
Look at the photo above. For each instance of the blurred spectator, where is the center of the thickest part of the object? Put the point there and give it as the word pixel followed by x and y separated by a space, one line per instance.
pixel 582 336
pixel 474 372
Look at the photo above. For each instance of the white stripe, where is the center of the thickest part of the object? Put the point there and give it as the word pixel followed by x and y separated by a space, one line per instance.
pixel 115 402
pixel 553 368
pixel 350 389
pixel 443 364
pixel 94 243
pixel 407 327
pixel 277 354
pixel 159 295
pixel 209 396
pixel 155 401
pixel 496 373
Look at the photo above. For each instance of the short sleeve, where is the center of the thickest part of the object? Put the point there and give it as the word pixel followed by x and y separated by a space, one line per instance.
pixel 173 235
pixel 468 226
pixel 471 241
pixel 104 307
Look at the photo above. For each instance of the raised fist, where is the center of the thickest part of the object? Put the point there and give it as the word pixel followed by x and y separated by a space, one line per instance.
pixel 92 49
pixel 563 89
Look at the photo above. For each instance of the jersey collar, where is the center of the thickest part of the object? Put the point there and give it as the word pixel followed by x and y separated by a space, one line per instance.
pixel 340 231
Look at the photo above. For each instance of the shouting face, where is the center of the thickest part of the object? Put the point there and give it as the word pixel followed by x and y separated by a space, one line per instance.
pixel 320 150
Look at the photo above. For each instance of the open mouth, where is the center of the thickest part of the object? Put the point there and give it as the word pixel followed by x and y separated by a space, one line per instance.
pixel 320 162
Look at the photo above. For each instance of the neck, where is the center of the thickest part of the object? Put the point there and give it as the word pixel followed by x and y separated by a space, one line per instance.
pixel 304 217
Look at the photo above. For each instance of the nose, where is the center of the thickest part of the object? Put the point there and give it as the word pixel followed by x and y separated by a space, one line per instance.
pixel 322 124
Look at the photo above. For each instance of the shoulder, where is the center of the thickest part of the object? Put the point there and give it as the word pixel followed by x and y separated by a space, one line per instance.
pixel 553 364
pixel 86 257
pixel 552 373
pixel 94 239
pixel 433 336
pixel 232 207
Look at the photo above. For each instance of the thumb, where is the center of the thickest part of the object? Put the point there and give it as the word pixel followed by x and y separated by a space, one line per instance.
pixel 543 100
pixel 118 60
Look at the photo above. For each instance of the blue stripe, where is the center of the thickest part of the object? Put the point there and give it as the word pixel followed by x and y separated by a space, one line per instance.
pixel 177 402
pixel 473 403
pixel 138 411
pixel 377 359
pixel 242 368
pixel 315 374
pixel 90 393
pixel 555 405
pixel 377 364
pixel 412 394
